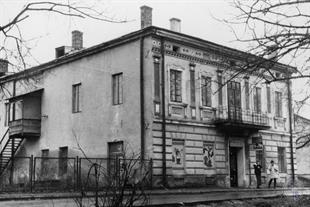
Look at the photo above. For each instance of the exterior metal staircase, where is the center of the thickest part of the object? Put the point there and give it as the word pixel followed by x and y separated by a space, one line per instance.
pixel 8 148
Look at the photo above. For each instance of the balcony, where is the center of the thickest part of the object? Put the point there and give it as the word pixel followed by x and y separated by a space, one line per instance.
pixel 25 128
pixel 24 114
pixel 235 119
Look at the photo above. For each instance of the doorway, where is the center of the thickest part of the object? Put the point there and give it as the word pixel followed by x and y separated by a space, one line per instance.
pixel 233 163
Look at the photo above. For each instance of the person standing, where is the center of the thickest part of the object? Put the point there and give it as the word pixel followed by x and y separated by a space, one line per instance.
pixel 258 173
pixel 274 172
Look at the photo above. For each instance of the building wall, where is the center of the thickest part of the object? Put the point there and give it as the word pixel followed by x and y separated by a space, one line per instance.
pixel 99 121
pixel 302 128
pixel 193 132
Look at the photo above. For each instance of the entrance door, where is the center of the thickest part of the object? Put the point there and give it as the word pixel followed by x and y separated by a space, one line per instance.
pixel 234 101
pixel 233 157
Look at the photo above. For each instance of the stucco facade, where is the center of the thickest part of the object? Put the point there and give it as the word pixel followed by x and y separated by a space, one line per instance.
pixel 166 113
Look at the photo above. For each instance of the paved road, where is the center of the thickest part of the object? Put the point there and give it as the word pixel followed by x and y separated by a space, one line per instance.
pixel 158 197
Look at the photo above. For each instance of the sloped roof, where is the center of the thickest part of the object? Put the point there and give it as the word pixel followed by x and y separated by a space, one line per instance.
pixel 152 30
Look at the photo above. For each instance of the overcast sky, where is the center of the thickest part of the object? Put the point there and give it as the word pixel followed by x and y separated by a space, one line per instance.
pixel 199 18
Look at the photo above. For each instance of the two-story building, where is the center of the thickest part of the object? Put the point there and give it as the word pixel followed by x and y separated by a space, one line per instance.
pixel 174 98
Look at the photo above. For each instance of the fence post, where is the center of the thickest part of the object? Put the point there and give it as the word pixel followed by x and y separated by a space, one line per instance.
pixel 80 174
pixel 76 186
pixel 30 172
pixel 151 173
pixel 34 173
pixel 96 179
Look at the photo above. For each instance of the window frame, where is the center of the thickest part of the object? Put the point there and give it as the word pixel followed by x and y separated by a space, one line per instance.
pixel 44 162
pixel 268 94
pixel 282 159
pixel 63 161
pixel 117 89
pixel 206 91
pixel 278 104
pixel 175 87
pixel 258 100
pixel 76 98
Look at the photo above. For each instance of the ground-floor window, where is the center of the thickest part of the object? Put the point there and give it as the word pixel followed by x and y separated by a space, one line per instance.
pixel 63 161
pixel 281 159
pixel 116 152
pixel 261 158
pixel 44 162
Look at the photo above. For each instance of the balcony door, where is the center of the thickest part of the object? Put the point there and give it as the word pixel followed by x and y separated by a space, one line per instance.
pixel 234 101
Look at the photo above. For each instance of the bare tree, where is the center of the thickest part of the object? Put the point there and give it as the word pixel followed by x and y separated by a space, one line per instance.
pixel 119 182
pixel 279 31
pixel 276 31
pixel 17 49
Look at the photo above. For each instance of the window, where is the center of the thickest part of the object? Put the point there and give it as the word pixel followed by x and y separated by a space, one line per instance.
pixel 76 98
pixel 208 154
pixel 247 94
pixel 7 112
pixel 178 153
pixel 44 163
pixel 192 86
pixel 116 152
pixel 281 159
pixel 175 85
pixel 220 91
pixel 257 100
pixel 261 159
pixel 63 161
pixel 268 99
pixel 175 48
pixel 156 80
pixel 117 88
pixel 206 91
pixel 278 104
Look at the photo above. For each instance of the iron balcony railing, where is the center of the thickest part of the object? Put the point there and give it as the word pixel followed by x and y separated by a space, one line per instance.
pixel 238 115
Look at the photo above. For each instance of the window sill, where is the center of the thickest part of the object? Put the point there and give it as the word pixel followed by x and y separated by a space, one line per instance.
pixel 210 108
pixel 178 104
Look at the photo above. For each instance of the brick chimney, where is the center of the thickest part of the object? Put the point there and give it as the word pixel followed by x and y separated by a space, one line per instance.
pixel 175 24
pixel 146 16
pixel 77 40
pixel 3 67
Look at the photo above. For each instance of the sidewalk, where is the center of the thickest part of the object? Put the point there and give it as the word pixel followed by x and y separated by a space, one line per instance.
pixel 159 197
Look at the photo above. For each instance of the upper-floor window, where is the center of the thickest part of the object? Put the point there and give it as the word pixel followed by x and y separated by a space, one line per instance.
pixel 76 98
pixel 192 85
pixel 278 104
pixel 156 79
pixel 175 85
pixel 257 100
pixel 268 99
pixel 247 94
pixel 117 88
pixel 206 91
pixel 7 112
pixel 220 88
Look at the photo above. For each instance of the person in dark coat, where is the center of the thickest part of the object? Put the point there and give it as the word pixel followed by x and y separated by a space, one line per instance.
pixel 258 173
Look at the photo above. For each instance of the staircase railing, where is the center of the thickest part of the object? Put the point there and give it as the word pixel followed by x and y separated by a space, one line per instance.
pixel 4 140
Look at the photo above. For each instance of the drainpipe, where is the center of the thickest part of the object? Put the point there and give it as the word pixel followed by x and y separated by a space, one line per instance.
pixel 162 53
pixel 289 94
pixel 142 141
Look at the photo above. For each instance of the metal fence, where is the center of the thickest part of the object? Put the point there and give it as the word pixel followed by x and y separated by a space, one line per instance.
pixel 32 174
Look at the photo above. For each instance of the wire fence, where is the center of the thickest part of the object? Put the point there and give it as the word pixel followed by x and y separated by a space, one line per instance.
pixel 33 174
